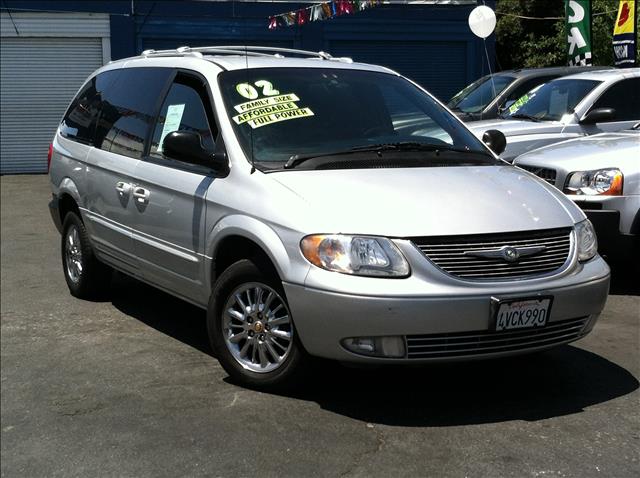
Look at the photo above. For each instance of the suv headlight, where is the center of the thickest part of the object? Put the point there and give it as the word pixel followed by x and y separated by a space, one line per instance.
pixel 607 182
pixel 587 241
pixel 357 255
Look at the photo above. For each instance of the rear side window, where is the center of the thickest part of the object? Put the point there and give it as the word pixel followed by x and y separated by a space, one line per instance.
pixel 127 107
pixel 623 97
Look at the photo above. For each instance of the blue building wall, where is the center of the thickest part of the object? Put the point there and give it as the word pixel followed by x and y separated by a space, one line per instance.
pixel 431 44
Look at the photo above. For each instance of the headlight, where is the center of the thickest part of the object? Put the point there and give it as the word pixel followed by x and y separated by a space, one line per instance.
pixel 606 182
pixel 357 255
pixel 587 241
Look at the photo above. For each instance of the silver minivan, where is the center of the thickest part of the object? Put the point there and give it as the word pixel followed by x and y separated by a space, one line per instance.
pixel 315 207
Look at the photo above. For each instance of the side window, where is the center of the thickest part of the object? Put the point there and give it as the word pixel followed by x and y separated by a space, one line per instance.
pixel 527 86
pixel 79 122
pixel 623 97
pixel 185 108
pixel 127 106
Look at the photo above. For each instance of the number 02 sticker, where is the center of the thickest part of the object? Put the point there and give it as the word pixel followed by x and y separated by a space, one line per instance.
pixel 249 91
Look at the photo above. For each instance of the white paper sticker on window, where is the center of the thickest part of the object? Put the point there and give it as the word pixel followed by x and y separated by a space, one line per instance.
pixel 171 122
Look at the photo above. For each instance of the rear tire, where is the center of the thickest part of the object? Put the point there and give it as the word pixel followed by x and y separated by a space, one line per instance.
pixel 87 278
pixel 251 330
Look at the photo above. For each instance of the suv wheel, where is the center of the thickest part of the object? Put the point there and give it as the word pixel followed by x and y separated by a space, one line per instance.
pixel 251 329
pixel 86 277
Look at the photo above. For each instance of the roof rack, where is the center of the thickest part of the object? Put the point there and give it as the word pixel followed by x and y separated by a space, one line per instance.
pixel 263 51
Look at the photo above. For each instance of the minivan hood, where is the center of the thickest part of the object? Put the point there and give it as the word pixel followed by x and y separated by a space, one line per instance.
pixel 427 201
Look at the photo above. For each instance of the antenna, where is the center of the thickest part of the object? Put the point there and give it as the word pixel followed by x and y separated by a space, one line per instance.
pixel 246 59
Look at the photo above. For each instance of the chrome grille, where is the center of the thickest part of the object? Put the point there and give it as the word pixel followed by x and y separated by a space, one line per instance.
pixel 549 175
pixel 487 342
pixel 451 253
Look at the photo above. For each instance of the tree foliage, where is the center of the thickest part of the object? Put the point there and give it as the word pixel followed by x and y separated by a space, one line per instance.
pixel 523 43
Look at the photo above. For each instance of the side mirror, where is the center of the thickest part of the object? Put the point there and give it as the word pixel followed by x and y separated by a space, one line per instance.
pixel 187 146
pixel 496 140
pixel 598 115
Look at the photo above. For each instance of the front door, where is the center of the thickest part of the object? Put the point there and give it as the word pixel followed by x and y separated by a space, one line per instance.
pixel 169 195
pixel 623 97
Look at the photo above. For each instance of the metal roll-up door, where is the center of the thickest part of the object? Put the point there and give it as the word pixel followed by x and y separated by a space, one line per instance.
pixel 438 66
pixel 39 77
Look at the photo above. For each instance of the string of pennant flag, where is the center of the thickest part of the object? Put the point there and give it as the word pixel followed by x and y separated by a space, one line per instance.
pixel 320 11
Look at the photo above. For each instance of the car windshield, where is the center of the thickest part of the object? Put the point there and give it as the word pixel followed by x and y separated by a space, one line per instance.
pixel 552 100
pixel 475 97
pixel 280 114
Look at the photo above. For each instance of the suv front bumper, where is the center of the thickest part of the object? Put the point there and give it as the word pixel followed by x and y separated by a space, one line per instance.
pixel 615 221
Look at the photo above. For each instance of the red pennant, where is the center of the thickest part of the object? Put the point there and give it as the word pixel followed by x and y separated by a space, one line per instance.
pixel 344 7
pixel 303 16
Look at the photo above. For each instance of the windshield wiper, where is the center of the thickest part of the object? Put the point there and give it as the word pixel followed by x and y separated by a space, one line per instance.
pixel 412 146
pixel 525 116
pixel 379 148
pixel 296 159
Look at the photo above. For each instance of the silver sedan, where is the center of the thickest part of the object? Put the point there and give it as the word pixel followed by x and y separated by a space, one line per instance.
pixel 572 106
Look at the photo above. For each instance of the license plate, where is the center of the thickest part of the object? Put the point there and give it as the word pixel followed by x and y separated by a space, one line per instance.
pixel 522 313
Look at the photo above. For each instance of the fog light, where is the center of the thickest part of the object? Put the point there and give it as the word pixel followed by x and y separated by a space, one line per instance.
pixel 588 326
pixel 376 346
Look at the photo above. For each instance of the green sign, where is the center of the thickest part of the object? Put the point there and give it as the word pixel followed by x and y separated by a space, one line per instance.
pixel 578 27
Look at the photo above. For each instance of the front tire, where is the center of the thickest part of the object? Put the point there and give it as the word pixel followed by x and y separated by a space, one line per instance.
pixel 251 329
pixel 86 277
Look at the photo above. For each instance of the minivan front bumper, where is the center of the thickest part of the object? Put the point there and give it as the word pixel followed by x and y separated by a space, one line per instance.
pixel 450 327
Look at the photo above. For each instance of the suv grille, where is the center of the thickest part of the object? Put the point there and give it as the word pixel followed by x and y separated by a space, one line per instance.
pixel 483 256
pixel 549 175
pixel 486 342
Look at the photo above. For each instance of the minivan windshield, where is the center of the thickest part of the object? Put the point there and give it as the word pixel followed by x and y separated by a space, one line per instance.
pixel 282 115
pixel 552 101
pixel 475 97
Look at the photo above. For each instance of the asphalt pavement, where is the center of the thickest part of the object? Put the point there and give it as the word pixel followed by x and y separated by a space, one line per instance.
pixel 129 387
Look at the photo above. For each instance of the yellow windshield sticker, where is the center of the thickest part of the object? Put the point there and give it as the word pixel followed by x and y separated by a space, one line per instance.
pixel 272 100
pixel 244 117
pixel 250 92
pixel 277 117
pixel 273 108
pixel 521 101
pixel 267 88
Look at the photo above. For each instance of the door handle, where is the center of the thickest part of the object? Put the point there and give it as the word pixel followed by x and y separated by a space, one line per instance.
pixel 141 194
pixel 123 188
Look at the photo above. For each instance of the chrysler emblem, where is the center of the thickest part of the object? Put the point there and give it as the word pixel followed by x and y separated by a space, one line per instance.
pixel 508 254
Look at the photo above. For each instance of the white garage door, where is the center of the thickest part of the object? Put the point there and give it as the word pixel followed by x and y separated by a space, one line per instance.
pixel 38 78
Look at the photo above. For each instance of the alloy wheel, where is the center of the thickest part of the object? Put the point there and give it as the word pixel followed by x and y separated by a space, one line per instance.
pixel 73 254
pixel 257 327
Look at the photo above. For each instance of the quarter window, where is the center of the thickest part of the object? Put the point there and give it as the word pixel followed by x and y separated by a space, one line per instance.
pixel 184 109
pixel 79 123
pixel 623 97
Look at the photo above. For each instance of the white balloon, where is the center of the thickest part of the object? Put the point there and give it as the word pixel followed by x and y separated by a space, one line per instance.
pixel 482 21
